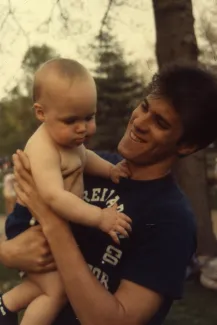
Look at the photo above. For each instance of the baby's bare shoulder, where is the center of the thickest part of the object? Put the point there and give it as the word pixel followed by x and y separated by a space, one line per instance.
pixel 39 142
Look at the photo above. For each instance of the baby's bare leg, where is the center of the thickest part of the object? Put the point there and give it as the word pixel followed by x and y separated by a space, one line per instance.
pixel 45 307
pixel 21 296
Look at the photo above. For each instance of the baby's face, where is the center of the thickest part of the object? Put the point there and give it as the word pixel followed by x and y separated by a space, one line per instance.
pixel 71 119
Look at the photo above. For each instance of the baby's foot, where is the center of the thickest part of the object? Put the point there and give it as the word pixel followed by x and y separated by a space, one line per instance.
pixel 6 316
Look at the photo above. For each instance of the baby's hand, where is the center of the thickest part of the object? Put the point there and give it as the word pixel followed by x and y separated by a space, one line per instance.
pixel 119 170
pixel 114 222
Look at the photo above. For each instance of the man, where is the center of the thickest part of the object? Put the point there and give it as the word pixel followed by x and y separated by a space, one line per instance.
pixel 136 282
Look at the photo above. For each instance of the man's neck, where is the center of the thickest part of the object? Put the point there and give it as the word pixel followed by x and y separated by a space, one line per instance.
pixel 150 172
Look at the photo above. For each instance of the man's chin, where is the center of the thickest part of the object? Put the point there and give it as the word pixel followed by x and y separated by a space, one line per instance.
pixel 120 149
pixel 124 153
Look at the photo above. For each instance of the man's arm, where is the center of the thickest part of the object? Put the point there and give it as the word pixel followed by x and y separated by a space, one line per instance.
pixel 132 304
pixel 28 251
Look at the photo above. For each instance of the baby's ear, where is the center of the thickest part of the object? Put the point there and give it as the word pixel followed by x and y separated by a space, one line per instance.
pixel 39 112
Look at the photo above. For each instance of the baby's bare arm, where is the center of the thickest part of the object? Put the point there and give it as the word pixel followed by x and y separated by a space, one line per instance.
pixel 97 166
pixel 46 170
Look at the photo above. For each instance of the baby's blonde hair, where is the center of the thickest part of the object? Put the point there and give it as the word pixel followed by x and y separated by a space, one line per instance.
pixel 63 68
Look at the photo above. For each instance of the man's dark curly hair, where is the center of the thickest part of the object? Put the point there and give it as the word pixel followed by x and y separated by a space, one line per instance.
pixel 191 89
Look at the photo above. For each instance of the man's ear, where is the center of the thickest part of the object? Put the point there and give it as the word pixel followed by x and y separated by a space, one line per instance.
pixel 186 149
pixel 39 112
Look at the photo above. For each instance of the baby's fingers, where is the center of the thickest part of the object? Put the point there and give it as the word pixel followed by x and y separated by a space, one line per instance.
pixel 125 224
pixel 126 171
pixel 122 231
pixel 116 179
pixel 114 236
pixel 124 167
pixel 125 217
pixel 124 174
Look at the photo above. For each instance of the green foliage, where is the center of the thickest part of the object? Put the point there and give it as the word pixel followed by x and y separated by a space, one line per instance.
pixel 119 89
pixel 35 56
pixel 17 121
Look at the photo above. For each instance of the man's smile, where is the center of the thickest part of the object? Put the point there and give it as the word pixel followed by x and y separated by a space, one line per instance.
pixel 135 138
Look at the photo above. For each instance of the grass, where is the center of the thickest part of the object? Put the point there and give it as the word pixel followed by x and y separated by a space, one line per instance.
pixel 8 278
pixel 199 306
pixel 7 275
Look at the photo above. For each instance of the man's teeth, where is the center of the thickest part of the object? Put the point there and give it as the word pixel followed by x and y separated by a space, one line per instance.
pixel 134 137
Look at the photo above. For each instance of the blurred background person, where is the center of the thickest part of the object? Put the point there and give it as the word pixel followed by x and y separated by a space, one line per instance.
pixel 9 194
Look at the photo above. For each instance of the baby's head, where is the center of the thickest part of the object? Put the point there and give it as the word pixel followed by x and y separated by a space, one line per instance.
pixel 64 95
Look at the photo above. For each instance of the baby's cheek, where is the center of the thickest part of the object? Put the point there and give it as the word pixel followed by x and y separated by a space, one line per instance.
pixel 92 129
pixel 65 135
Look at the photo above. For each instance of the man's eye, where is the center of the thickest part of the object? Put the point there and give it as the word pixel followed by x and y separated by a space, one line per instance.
pixel 162 124
pixel 144 107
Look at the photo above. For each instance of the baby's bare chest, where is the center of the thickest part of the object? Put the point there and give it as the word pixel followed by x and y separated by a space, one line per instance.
pixel 72 167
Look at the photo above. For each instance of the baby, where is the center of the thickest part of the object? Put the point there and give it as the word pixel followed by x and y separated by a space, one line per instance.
pixel 64 95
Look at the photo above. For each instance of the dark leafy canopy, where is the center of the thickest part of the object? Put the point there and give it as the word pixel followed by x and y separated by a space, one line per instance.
pixel 119 89
pixel 35 56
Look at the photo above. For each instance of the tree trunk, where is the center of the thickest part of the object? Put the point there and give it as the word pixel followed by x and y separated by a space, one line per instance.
pixel 176 40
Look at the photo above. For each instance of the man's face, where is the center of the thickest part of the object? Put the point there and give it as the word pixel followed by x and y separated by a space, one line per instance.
pixel 152 133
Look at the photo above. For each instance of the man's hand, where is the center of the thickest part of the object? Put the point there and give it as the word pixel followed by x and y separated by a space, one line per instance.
pixel 114 222
pixel 28 251
pixel 26 189
pixel 24 185
pixel 119 170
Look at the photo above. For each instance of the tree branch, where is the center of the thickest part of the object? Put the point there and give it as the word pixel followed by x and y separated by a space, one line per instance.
pixel 4 20
pixel 11 13
pixel 103 21
pixel 63 14
pixel 49 19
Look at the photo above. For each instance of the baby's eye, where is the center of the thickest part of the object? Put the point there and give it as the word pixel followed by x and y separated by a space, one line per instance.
pixel 89 118
pixel 69 121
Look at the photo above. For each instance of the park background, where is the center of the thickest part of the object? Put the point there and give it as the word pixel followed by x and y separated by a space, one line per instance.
pixel 123 43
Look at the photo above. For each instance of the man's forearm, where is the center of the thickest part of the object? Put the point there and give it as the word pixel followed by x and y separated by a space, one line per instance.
pixel 28 251
pixel 92 303
pixel 2 255
pixel 6 255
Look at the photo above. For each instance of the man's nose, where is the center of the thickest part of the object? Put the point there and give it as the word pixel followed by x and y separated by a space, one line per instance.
pixel 142 123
